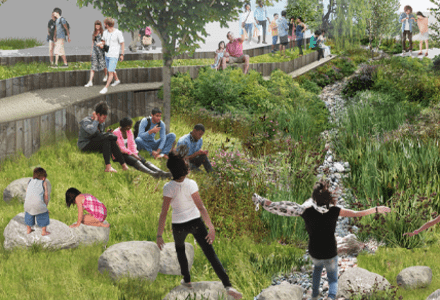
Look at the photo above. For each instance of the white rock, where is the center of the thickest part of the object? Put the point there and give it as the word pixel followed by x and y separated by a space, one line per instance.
pixel 330 158
pixel 135 259
pixel 283 291
pixel 89 235
pixel 169 264
pixel 358 279
pixel 415 277
pixel 434 296
pixel 17 188
pixel 209 290
pixel 339 167
pixel 60 237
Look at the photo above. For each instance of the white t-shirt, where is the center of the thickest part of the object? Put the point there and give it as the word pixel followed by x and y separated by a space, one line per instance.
pixel 34 200
pixel 407 23
pixel 184 208
pixel 250 19
pixel 113 39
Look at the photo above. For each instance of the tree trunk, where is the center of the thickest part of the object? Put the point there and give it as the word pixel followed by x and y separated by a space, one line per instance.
pixel 166 79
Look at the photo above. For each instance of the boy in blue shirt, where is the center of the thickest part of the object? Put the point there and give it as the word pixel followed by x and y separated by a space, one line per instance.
pixel 407 20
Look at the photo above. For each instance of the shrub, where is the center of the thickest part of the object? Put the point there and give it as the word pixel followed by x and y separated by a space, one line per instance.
pixel 363 81
pixel 182 92
pixel 436 63
pixel 311 86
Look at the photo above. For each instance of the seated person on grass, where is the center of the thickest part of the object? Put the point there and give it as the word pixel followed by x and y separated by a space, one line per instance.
pixel 234 52
pixel 145 140
pixel 196 156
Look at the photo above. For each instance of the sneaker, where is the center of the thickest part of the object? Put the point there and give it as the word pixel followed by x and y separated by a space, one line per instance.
pixel 116 83
pixel 103 91
pixel 187 285
pixel 234 293
pixel 89 84
pixel 105 79
pixel 54 66
pixel 64 66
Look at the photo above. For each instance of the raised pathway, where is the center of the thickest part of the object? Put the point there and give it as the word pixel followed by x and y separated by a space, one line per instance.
pixel 308 67
pixel 45 101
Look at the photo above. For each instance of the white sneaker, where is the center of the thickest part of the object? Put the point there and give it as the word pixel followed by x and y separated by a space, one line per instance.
pixel 103 91
pixel 89 84
pixel 105 79
pixel 116 83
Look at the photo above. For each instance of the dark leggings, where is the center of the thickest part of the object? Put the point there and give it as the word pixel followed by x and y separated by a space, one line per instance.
pixel 300 42
pixel 131 161
pixel 197 228
pixel 106 147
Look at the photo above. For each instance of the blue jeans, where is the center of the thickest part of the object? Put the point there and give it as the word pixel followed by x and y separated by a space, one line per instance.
pixel 274 39
pixel 154 145
pixel 331 266
pixel 248 28
pixel 111 63
pixel 42 219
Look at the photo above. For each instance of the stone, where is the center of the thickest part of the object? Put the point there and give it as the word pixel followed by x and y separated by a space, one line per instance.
pixel 284 291
pixel 17 188
pixel 135 259
pixel 330 158
pixel 169 264
pixel 346 165
pixel 339 167
pixel 88 235
pixel 415 277
pixel 349 245
pixel 434 296
pixel 358 279
pixel 209 290
pixel 60 237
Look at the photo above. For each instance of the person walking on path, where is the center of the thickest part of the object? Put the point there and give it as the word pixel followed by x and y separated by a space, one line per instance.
pixel 300 29
pixel 50 36
pixel 114 40
pixel 196 156
pixel 320 215
pixel 273 27
pixel 127 145
pixel 422 23
pixel 183 196
pixel 96 209
pixel 292 35
pixel 59 36
pixel 234 52
pixel 36 201
pixel 92 137
pixel 260 16
pixel 407 20
pixel 97 53
pixel 145 139
pixel 283 28
pixel 247 21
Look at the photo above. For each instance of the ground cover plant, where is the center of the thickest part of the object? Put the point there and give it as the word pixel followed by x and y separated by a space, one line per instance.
pixel 16 44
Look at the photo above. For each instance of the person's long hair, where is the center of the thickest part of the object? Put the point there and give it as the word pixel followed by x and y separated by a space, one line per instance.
pixel 220 44
pixel 95 32
pixel 419 13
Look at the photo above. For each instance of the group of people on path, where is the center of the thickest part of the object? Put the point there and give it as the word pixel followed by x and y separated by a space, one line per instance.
pixel 408 20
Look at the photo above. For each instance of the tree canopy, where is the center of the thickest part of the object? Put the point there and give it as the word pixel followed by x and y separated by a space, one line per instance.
pixel 310 11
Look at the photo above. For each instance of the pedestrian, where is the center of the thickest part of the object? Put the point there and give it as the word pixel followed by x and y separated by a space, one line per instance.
pixel 61 30
pixel 247 21
pixel 183 196
pixel 50 36
pixel 300 29
pixel 114 44
pixel 97 53
pixel 320 215
pixel 274 29
pixel 260 16
pixel 283 28
pixel 292 35
pixel 422 23
pixel 407 19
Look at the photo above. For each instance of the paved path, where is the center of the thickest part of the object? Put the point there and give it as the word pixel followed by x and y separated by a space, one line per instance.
pixel 38 102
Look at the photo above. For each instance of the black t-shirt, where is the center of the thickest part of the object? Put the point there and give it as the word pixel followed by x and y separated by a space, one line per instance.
pixel 321 230
pixel 142 32
pixel 51 25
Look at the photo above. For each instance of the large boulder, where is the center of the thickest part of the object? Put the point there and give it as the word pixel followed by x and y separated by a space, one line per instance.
pixel 136 259
pixel 359 280
pixel 434 296
pixel 283 291
pixel 169 264
pixel 415 277
pixel 88 235
pixel 17 188
pixel 209 290
pixel 60 237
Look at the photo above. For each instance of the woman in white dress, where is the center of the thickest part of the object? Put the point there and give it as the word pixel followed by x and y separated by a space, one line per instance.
pixel 325 47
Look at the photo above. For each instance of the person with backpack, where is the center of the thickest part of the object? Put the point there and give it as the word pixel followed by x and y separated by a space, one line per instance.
pixel 148 127
pixel 62 32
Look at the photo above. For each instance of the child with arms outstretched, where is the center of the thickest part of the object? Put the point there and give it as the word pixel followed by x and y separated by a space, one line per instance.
pixel 424 227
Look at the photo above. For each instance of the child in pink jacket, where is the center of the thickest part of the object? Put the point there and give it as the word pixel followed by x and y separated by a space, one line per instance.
pixel 131 156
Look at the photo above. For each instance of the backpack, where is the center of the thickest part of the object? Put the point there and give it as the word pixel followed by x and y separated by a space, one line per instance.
pixel 68 26
pixel 136 127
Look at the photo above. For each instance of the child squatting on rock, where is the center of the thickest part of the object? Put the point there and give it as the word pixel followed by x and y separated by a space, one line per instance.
pixel 97 211
pixel 320 214
pixel 36 201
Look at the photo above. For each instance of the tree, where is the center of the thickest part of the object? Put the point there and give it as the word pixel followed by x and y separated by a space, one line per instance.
pixel 310 11
pixel 2 2
pixel 435 26
pixel 179 25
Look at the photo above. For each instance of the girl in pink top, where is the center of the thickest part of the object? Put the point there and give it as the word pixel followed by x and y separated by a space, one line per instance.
pixel 422 22
pixel 97 211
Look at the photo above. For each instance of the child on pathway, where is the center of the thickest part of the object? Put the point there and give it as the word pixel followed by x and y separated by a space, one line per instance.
pixel 320 214
pixel 97 211
pixel 274 28
pixel 219 55
pixel 422 23
pixel 183 195
pixel 36 201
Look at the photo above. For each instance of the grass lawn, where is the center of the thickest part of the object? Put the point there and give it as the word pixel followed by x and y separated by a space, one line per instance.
pixel 16 44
